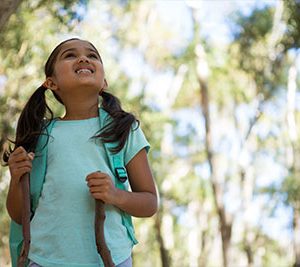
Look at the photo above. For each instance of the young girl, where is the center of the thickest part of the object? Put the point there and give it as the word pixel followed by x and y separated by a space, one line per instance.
pixel 73 167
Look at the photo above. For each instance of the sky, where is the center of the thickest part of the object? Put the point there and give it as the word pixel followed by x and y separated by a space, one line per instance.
pixel 213 15
pixel 214 18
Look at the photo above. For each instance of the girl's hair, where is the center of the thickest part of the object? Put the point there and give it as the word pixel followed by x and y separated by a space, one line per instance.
pixel 37 115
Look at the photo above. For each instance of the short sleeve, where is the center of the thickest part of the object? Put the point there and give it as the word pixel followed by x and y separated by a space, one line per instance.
pixel 136 141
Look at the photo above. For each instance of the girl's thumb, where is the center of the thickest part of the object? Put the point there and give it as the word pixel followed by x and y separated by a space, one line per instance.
pixel 31 155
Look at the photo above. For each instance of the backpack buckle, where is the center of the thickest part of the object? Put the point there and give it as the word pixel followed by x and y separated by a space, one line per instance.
pixel 121 174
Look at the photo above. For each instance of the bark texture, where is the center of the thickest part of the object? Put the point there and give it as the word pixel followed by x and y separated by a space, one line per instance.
pixel 7 8
pixel 165 261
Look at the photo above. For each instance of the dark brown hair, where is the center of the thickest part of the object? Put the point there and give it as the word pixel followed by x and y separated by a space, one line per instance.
pixel 37 115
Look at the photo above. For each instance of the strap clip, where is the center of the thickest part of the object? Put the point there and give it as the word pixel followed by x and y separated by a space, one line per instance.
pixel 121 174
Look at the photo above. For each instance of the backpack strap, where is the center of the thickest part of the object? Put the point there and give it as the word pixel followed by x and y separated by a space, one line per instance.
pixel 116 161
pixel 118 167
pixel 39 167
pixel 37 176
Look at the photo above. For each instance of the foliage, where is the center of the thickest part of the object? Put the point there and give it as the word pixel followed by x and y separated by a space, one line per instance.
pixel 247 85
pixel 252 40
pixel 291 16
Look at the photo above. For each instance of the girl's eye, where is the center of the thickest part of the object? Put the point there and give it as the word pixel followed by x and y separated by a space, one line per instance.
pixel 93 56
pixel 70 55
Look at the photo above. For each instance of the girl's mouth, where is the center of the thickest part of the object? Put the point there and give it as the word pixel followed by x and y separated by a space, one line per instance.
pixel 83 70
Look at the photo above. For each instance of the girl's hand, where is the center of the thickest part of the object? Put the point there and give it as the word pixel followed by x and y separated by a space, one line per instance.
pixel 102 187
pixel 19 162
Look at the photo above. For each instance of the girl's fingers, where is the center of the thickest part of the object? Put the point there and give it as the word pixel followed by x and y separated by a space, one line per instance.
pixel 96 175
pixel 100 182
pixel 31 155
pixel 105 193
pixel 22 171
pixel 98 196
pixel 15 174
pixel 101 186
pixel 96 182
pixel 20 157
pixel 18 150
pixel 24 164
pixel 96 189
pixel 21 164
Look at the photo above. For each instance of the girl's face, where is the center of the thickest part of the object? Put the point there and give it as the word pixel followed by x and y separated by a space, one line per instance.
pixel 78 70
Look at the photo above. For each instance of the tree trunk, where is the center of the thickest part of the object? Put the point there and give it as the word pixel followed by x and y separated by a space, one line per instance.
pixel 296 234
pixel 293 158
pixel 165 260
pixel 7 8
pixel 202 261
pixel 4 135
pixel 247 193
pixel 247 247
pixel 224 221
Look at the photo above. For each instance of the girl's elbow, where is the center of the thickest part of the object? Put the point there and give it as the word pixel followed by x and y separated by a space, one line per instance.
pixel 153 211
pixel 15 216
pixel 154 207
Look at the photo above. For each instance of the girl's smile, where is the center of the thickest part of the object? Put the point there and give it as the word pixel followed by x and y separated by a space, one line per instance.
pixel 79 58
pixel 86 71
pixel 78 78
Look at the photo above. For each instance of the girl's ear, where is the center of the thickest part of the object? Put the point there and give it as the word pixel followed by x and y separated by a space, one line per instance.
pixel 105 86
pixel 50 84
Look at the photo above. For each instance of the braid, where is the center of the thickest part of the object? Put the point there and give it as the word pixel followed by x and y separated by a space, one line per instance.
pixel 118 129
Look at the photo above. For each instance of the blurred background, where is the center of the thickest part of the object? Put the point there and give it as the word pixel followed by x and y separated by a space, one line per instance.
pixel 215 85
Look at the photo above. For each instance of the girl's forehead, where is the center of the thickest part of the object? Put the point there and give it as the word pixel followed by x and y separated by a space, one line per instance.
pixel 77 44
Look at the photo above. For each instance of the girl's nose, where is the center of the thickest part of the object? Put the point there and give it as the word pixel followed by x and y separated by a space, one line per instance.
pixel 83 59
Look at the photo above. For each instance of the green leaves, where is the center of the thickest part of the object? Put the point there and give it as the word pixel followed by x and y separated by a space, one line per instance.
pixel 153 78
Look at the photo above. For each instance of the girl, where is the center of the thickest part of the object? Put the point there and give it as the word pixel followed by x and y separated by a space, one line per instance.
pixel 72 165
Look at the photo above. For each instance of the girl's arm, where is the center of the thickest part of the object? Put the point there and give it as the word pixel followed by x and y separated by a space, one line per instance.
pixel 19 163
pixel 142 201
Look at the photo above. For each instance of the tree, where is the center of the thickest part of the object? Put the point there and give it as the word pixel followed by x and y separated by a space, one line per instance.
pixel 282 39
pixel 210 129
pixel 22 55
pixel 7 8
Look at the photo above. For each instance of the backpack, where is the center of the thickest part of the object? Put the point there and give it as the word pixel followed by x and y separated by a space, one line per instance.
pixel 37 177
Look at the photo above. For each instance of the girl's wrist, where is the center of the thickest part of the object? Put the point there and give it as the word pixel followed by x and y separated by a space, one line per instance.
pixel 15 184
pixel 120 198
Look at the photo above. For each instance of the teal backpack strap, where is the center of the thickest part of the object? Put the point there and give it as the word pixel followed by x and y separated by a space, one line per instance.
pixel 119 169
pixel 39 167
pixel 15 242
pixel 37 177
pixel 122 183
pixel 117 165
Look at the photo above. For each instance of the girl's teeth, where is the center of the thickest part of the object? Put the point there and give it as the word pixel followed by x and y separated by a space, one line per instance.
pixel 84 71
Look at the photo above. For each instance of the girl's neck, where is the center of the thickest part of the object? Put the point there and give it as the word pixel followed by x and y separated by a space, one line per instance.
pixel 73 118
pixel 80 112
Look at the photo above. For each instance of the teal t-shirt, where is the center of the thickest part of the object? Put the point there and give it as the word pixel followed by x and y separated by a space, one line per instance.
pixel 62 229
